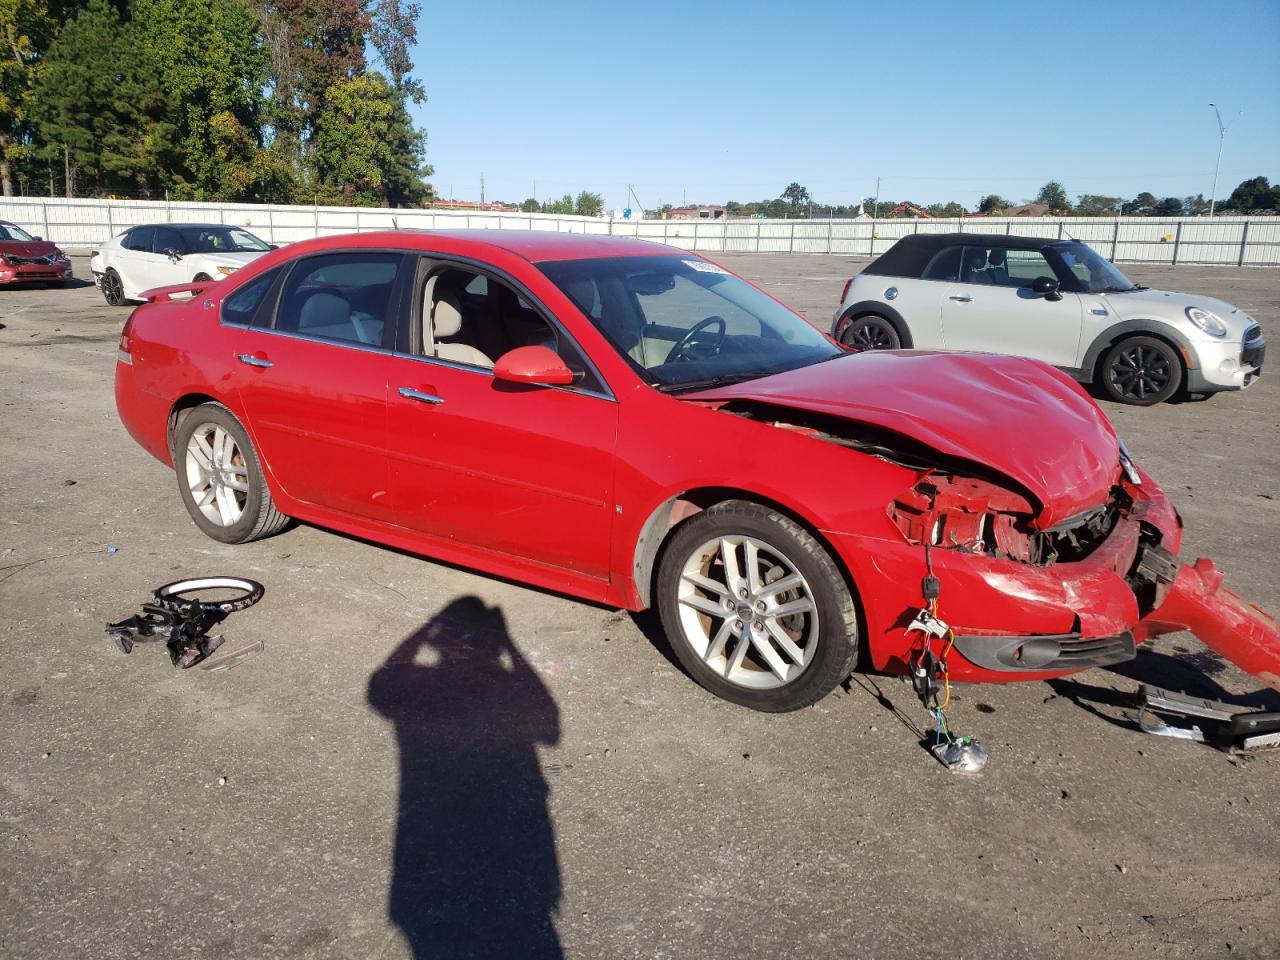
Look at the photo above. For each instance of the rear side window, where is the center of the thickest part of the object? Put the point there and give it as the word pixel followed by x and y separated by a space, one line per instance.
pixel 139 239
pixel 241 306
pixel 945 265
pixel 342 296
pixel 165 240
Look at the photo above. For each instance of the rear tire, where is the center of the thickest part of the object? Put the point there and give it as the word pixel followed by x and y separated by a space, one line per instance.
pixel 220 478
pixel 1141 371
pixel 201 278
pixel 113 288
pixel 750 642
pixel 871 332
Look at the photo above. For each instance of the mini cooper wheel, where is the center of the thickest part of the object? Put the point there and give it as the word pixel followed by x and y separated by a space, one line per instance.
pixel 871 332
pixel 1141 371
pixel 113 288
pixel 220 479
pixel 755 608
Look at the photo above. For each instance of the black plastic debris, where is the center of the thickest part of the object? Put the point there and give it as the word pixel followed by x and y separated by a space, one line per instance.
pixel 181 619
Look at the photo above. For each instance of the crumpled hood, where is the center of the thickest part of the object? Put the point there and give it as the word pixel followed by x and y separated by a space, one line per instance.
pixel 1019 417
pixel 1170 305
pixel 27 248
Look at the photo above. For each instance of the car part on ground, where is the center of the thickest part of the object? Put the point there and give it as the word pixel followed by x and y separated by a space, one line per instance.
pixel 1167 713
pixel 180 615
pixel 1053 300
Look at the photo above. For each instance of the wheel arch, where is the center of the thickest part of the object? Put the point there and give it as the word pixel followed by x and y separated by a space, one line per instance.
pixel 182 407
pixel 864 307
pixel 1109 337
pixel 670 514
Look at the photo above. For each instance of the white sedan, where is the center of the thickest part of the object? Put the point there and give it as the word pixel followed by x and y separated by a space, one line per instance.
pixel 157 255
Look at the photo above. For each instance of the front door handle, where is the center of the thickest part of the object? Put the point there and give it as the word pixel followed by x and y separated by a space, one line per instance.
pixel 253 360
pixel 412 394
pixel 962 299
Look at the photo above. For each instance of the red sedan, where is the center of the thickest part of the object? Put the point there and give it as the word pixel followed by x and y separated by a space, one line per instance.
pixel 28 259
pixel 632 424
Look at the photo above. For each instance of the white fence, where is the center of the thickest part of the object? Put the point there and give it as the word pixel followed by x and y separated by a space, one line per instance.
pixel 1238 241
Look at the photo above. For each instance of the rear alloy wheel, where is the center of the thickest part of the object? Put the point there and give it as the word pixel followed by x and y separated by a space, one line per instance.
pixel 220 479
pixel 755 608
pixel 1141 371
pixel 871 332
pixel 113 288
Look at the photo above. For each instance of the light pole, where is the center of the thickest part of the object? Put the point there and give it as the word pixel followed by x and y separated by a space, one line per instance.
pixel 1222 136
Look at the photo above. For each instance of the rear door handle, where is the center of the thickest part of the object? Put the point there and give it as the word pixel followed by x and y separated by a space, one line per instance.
pixel 412 394
pixel 254 361
pixel 962 299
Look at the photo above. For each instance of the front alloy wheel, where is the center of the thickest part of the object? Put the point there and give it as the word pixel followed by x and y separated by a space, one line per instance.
pixel 755 608
pixel 1141 371
pixel 113 288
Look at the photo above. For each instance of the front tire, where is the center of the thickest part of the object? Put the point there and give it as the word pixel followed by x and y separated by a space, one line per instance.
pixel 220 478
pixel 1141 371
pixel 113 288
pixel 871 332
pixel 755 608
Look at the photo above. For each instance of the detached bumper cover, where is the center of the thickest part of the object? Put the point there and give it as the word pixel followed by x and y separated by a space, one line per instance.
pixel 1196 600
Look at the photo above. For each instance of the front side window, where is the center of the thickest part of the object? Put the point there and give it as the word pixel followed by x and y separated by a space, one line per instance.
pixel 683 322
pixel 1095 274
pixel 9 231
pixel 1004 267
pixel 215 239
pixel 342 296
pixel 165 240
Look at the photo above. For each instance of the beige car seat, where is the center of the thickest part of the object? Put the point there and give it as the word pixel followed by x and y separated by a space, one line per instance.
pixel 446 322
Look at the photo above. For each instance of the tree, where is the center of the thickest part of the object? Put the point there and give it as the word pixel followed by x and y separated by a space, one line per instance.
pixel 951 209
pixel 1255 194
pixel 94 105
pixel 796 198
pixel 993 204
pixel 1055 195
pixel 353 139
pixel 1140 206
pixel 531 206
pixel 1195 206
pixel 210 161
pixel 1096 205
pixel 1168 207
pixel 588 204
pixel 23 26
pixel 393 30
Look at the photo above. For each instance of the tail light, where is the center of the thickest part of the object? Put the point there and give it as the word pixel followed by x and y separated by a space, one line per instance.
pixel 124 353
pixel 845 292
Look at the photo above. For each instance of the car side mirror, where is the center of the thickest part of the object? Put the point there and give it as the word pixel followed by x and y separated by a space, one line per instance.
pixel 533 366
pixel 173 255
pixel 1046 287
pixel 37 238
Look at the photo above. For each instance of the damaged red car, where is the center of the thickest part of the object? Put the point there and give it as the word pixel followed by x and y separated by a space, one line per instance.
pixel 632 424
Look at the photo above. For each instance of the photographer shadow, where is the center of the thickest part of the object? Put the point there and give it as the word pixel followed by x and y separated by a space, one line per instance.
pixel 475 872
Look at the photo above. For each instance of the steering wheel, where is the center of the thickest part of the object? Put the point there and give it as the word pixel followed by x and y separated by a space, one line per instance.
pixel 682 351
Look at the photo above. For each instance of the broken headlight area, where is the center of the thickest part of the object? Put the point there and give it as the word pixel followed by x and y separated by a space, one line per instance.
pixel 977 516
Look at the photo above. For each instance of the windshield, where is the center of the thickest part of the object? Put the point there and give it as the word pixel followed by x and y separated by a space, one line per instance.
pixel 686 323
pixel 220 240
pixel 9 232
pixel 1094 273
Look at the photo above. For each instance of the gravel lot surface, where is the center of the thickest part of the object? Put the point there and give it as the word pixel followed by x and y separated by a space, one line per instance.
pixel 426 762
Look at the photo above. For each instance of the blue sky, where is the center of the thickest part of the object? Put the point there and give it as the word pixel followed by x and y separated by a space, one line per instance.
pixel 719 101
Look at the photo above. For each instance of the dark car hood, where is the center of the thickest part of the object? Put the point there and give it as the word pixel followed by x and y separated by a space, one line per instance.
pixel 28 248
pixel 1018 417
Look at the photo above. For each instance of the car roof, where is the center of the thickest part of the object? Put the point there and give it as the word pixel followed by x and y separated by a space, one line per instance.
pixel 535 246
pixel 188 226
pixel 910 255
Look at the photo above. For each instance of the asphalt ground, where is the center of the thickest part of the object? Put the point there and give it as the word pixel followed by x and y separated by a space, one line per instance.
pixel 426 762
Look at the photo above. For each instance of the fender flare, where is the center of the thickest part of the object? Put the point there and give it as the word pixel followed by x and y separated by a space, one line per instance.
pixel 879 308
pixel 1139 327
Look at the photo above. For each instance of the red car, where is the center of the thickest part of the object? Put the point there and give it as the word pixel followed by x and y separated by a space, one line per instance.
pixel 632 424
pixel 28 259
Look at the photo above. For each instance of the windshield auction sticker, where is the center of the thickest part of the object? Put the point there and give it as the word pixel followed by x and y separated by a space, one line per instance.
pixel 703 267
